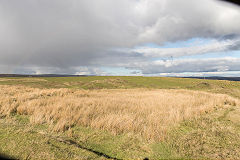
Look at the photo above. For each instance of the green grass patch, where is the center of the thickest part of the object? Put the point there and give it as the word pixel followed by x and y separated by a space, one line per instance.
pixel 119 82
pixel 211 136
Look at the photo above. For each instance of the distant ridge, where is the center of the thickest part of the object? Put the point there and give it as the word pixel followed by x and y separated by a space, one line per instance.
pixel 217 78
pixel 68 75
pixel 42 75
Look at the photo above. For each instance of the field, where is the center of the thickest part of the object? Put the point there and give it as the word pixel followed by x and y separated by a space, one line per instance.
pixel 119 118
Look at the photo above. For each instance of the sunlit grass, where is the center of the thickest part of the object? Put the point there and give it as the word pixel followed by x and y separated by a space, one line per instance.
pixel 147 112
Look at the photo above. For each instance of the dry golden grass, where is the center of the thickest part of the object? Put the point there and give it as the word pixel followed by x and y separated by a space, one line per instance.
pixel 138 111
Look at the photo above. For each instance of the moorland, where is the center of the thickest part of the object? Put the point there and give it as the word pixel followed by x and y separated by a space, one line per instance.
pixel 119 117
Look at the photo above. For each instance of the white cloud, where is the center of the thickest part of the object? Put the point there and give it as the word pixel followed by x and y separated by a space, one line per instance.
pixel 188 65
pixel 200 74
pixel 214 46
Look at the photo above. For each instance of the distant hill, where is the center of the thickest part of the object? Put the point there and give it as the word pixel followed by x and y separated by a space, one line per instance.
pixel 41 75
pixel 217 78
pixel 66 75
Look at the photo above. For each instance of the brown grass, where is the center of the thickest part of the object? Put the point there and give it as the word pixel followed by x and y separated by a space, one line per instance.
pixel 137 111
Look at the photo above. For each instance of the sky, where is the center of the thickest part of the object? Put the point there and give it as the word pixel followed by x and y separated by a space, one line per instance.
pixel 126 37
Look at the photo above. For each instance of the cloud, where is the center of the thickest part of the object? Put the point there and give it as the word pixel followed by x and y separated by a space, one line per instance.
pixel 62 35
pixel 188 65
pixel 214 46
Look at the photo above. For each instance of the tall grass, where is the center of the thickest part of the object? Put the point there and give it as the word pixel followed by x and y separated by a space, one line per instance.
pixel 148 112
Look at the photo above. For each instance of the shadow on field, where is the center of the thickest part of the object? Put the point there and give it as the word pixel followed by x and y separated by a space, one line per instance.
pixel 71 142
pixel 3 156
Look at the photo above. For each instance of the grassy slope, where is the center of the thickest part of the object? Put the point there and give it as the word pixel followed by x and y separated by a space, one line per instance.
pixel 214 135
pixel 21 140
pixel 99 82
pixel 108 82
